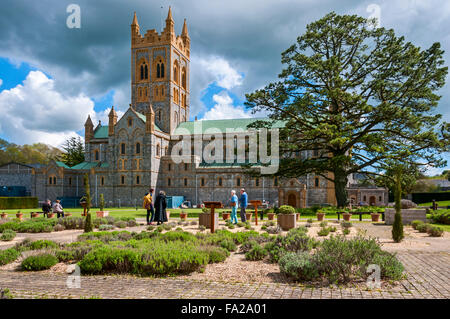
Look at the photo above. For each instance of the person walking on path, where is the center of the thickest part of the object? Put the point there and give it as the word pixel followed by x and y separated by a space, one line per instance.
pixel 243 202
pixel 160 208
pixel 148 205
pixel 234 203
pixel 58 209
pixel 46 207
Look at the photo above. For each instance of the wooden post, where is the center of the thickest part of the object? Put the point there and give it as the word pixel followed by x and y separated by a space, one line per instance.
pixel 213 206
pixel 256 203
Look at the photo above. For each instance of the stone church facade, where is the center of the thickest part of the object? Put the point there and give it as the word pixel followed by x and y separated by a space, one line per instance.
pixel 129 155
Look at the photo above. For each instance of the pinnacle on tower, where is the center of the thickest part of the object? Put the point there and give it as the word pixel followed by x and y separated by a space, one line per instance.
pixel 169 15
pixel 135 21
pixel 185 33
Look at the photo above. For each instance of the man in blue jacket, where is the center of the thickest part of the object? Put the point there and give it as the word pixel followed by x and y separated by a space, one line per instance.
pixel 243 202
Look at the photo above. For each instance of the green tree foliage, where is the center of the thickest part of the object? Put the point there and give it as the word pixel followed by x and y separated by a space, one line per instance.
pixel 74 151
pixel 355 96
pixel 27 154
pixel 409 177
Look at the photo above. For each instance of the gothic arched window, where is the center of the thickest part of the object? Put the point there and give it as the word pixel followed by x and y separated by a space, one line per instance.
pixel 158 70
pixel 146 71
pixel 162 70
pixel 183 78
pixel 138 148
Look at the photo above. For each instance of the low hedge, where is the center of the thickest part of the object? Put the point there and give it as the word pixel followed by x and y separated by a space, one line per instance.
pixel 8 255
pixel 18 202
pixel 35 225
pixel 159 258
pixel 39 262
pixel 441 217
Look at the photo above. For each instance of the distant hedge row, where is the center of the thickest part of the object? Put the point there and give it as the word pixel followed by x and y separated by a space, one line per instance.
pixel 420 198
pixel 18 202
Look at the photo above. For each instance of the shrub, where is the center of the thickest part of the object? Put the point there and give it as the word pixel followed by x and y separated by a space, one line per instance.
pixel 441 218
pixel 40 244
pixel 340 259
pixel 131 223
pixel 423 228
pixel 104 227
pixel 274 230
pixel 263 227
pixel 397 228
pixel 299 266
pixel 72 222
pixel 6 294
pixel 8 255
pixel 8 235
pixel 39 262
pixel 435 231
pixel 256 252
pixel 58 227
pixel 88 225
pixel 286 209
pixel 346 231
pixel 64 255
pixel 166 226
pixel 201 227
pixel 390 267
pixel 228 244
pixel 345 224
pixel 324 232
pixel 230 226
pixel 332 229
pixel 323 224
pixel 310 221
pixel 416 223
pixel 216 254
pixel 151 227
pixel 158 258
pixel 120 224
pixel 106 236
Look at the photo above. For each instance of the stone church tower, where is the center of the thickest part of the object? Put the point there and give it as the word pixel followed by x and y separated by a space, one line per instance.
pixel 160 73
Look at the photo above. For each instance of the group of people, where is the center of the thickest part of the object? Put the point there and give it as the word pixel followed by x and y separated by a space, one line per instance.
pixel 57 208
pixel 243 203
pixel 157 212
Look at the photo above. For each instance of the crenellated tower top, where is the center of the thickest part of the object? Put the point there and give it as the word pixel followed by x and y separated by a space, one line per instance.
pixel 167 36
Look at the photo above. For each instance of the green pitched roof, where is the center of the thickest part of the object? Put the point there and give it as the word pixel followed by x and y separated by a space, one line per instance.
pixel 144 118
pixel 101 132
pixel 61 164
pixel 232 125
pixel 85 165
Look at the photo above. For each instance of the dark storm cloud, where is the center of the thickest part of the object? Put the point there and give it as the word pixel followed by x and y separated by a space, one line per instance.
pixel 249 34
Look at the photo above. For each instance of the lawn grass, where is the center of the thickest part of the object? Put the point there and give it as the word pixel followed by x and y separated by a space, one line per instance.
pixel 174 212
pixel 441 203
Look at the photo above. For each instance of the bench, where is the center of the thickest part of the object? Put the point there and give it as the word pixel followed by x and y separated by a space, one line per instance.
pixel 360 215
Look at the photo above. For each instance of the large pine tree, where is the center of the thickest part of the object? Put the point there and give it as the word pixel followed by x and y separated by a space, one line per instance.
pixel 356 96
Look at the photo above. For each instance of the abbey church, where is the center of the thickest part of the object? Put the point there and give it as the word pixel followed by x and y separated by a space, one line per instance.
pixel 131 154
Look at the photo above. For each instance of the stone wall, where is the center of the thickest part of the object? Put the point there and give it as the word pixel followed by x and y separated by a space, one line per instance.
pixel 408 215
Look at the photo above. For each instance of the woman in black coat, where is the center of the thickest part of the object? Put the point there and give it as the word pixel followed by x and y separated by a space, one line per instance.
pixel 160 208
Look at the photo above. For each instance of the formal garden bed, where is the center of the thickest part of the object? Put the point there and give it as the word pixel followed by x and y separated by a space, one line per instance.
pixel 47 225
pixel 303 254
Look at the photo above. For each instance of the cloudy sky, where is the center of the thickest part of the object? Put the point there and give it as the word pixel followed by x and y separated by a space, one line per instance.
pixel 52 76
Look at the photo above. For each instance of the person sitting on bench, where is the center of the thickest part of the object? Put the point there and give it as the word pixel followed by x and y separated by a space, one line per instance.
pixel 58 209
pixel 46 207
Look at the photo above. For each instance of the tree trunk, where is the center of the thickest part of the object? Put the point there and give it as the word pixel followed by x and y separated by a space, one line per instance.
pixel 340 188
pixel 398 191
